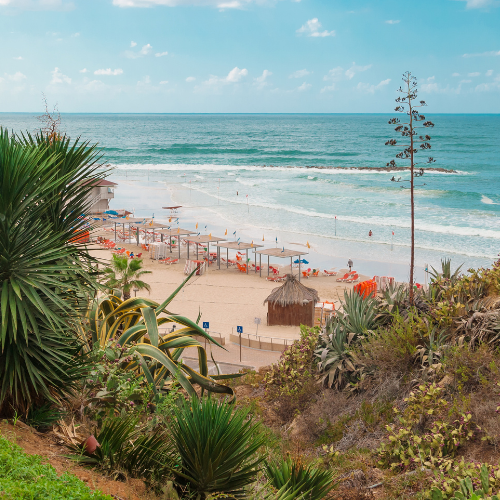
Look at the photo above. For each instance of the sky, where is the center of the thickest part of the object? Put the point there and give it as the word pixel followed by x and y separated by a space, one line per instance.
pixel 248 56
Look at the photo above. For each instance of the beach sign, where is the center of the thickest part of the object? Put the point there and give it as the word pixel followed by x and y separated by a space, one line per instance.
pixel 239 329
pixel 206 325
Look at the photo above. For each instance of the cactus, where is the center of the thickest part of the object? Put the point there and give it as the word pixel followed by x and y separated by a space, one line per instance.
pixel 467 492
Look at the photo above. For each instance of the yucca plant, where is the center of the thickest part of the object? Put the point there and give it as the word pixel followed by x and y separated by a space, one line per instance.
pixel 46 279
pixel 446 272
pixel 126 448
pixel 135 321
pixel 291 477
pixel 217 445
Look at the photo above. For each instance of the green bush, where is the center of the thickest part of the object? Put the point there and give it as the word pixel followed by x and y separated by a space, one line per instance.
pixel 291 382
pixel 217 447
pixel 467 490
pixel 423 437
pixel 27 477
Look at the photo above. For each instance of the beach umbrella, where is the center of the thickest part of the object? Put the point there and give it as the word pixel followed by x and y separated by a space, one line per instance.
pixel 303 261
pixel 111 212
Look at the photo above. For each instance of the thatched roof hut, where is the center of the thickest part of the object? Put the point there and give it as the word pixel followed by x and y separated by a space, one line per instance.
pixel 291 304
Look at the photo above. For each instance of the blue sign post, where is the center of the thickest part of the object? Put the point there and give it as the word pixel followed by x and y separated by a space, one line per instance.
pixel 239 329
pixel 206 325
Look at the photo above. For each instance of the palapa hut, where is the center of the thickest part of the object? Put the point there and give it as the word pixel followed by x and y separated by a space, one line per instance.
pixel 291 304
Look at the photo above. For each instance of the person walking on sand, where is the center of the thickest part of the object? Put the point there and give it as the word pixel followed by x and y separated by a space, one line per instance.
pixel 350 264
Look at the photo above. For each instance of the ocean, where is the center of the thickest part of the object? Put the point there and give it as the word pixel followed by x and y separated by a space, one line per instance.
pixel 277 178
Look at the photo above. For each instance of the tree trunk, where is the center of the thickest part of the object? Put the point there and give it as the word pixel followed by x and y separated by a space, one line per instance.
pixel 412 203
pixel 126 295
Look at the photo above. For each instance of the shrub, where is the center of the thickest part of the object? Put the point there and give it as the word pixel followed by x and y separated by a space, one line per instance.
pixel 46 277
pixel 465 477
pixel 27 477
pixel 436 442
pixel 305 482
pixel 393 348
pixel 217 446
pixel 290 383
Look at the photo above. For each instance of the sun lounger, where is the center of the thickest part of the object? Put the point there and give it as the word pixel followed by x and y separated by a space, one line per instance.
pixel 353 279
pixel 315 273
pixel 164 261
pixel 305 274
pixel 345 277
pixel 330 273
pixel 174 261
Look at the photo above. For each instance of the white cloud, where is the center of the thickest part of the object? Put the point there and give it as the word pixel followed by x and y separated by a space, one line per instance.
pixel 75 35
pixel 300 73
pixel 477 4
pixel 64 5
pixel 133 44
pixel 145 50
pixel 163 82
pixel 144 82
pixel 476 73
pixel 431 78
pixel 84 70
pixel 393 21
pixel 93 86
pixel 356 69
pixel 236 74
pixel 312 28
pixel 220 4
pixel 18 58
pixel 17 77
pixel 260 81
pixel 487 87
pixel 437 89
pixel 190 79
pixel 366 87
pixel 456 74
pixel 465 81
pixel 337 74
pixel 108 72
pixel 489 72
pixel 304 86
pixel 58 77
pixel 482 54
pixel 161 54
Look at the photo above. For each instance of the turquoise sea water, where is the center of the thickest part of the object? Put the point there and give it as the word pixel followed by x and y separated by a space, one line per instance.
pixel 210 163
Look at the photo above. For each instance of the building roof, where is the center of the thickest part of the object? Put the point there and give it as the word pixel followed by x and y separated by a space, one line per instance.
pixel 204 238
pixel 292 292
pixel 100 183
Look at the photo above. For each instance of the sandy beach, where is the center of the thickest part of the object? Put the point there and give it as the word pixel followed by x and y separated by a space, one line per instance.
pixel 226 299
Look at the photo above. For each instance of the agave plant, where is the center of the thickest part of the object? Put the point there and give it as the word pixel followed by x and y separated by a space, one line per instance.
pixel 290 477
pixel 46 279
pixel 135 321
pixel 358 315
pixel 446 272
pixel 217 445
pixel 336 362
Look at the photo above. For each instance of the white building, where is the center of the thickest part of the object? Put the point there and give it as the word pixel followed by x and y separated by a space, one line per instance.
pixel 101 193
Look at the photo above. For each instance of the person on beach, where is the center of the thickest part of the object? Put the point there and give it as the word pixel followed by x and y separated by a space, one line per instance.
pixel 350 264
pixel 370 233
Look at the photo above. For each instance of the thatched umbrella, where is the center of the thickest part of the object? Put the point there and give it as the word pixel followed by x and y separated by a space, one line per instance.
pixel 291 304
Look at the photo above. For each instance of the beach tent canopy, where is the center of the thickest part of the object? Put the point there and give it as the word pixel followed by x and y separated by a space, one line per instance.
pixel 279 252
pixel 291 304
pixel 291 293
pixel 237 245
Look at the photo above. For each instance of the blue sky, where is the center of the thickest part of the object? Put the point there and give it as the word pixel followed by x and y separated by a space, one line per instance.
pixel 287 56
